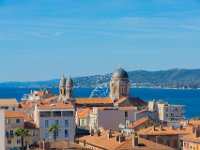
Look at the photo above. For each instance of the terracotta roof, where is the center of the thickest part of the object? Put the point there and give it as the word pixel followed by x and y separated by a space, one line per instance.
pixel 191 137
pixel 55 105
pixel 121 100
pixel 16 114
pixel 143 145
pixel 102 140
pixel 40 93
pixel 83 101
pixel 66 145
pixel 165 131
pixel 139 122
pixel 50 99
pixel 82 113
pixel 30 125
pixel 111 144
pixel 194 122
pixel 25 106
pixel 8 102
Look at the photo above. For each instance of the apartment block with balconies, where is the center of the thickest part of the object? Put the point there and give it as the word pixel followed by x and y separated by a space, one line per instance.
pixel 61 114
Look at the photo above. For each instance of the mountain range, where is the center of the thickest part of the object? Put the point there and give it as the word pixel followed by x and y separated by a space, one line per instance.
pixel 173 78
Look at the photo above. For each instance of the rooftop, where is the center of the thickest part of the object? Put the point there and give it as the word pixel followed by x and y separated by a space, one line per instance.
pixel 16 114
pixel 55 105
pixel 111 144
pixel 191 137
pixel 166 130
pixel 139 122
pixel 83 101
pixel 8 102
pixel 82 113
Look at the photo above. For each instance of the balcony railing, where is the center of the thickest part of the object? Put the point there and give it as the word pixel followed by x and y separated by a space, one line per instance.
pixel 14 125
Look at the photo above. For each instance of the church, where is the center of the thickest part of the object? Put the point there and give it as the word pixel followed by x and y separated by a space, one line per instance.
pixel 119 93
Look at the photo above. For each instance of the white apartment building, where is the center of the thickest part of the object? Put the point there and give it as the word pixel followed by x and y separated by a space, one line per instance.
pixel 61 114
pixel 172 114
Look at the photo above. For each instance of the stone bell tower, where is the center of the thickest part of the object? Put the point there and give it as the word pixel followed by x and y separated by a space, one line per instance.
pixel 66 89
pixel 119 84
pixel 69 89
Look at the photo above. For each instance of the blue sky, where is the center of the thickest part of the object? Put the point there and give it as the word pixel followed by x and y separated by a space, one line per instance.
pixel 43 39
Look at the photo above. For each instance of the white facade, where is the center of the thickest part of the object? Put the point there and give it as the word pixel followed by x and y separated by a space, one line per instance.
pixel 2 131
pixel 169 113
pixel 64 118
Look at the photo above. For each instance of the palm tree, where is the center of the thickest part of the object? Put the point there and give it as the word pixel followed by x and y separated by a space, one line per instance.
pixel 54 129
pixel 22 132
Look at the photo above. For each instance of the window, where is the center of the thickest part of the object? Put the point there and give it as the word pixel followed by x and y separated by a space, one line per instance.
pixel 17 120
pixel 56 132
pixel 56 122
pixel 34 133
pixel 46 123
pixel 18 141
pixel 11 133
pixel 45 114
pixel 66 123
pixel 66 133
pixel 67 113
pixel 7 121
pixel 13 108
pixel 57 114
pixel 8 141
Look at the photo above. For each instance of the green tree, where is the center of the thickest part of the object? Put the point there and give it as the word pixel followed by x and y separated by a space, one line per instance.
pixel 54 129
pixel 22 132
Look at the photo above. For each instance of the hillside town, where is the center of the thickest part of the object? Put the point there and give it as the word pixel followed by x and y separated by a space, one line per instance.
pixel 45 121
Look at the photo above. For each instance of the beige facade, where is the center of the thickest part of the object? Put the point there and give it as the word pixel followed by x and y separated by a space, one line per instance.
pixel 169 113
pixel 13 121
pixel 2 131
pixel 11 125
pixel 110 117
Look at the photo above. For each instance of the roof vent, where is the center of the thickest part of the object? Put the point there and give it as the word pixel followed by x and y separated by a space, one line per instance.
pixel 52 105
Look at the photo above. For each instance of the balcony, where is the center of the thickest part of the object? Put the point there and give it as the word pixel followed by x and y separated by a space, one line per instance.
pixel 14 125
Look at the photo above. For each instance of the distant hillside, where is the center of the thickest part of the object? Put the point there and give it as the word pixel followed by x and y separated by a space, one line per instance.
pixel 174 78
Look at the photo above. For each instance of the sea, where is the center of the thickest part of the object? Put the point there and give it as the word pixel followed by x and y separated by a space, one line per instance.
pixel 189 98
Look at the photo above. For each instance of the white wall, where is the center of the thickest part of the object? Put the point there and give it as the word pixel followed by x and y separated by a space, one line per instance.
pixel 2 131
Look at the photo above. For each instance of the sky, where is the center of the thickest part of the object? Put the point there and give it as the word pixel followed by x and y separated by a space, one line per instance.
pixel 44 39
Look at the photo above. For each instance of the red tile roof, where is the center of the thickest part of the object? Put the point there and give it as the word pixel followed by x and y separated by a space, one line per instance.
pixel 82 113
pixel 8 102
pixel 111 144
pixel 138 122
pixel 55 105
pixel 16 114
pixel 83 101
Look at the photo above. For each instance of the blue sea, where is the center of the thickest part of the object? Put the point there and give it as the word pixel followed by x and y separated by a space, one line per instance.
pixel 189 98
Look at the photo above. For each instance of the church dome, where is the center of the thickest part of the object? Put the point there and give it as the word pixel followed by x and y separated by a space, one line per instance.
pixel 69 81
pixel 120 73
pixel 62 81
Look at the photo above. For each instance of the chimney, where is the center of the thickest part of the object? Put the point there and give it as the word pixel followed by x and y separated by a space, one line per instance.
pixel 121 138
pixel 98 133
pixel 117 138
pixel 180 127
pixel 161 127
pixel 110 134
pixel 92 132
pixel 134 140
pixel 197 133
pixel 154 128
